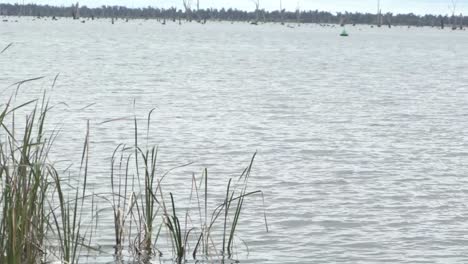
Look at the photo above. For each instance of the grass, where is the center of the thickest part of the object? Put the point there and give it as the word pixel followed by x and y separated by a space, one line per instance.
pixel 45 214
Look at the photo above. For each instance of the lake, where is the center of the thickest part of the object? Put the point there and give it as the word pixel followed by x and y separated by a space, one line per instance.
pixel 362 142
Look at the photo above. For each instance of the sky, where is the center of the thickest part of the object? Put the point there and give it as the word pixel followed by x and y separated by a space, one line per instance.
pixel 395 6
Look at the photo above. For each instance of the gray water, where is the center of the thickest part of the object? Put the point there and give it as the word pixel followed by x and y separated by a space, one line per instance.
pixel 362 141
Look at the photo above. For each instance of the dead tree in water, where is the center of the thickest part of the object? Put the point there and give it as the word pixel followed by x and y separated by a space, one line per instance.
pixel 453 9
pixel 342 19
pixel 281 12
pixel 298 14
pixel 379 14
pixel 188 9
pixel 76 11
pixel 113 16
pixel 461 21
pixel 198 12
pixel 388 17
pixel 21 10
pixel 257 8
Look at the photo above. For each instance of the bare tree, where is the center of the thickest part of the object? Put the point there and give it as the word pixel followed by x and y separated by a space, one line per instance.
pixel 461 21
pixel 257 8
pixel 188 9
pixel 342 19
pixel 76 11
pixel 282 12
pixel 21 12
pixel 453 8
pixel 388 17
pixel 298 13
pixel 379 14
pixel 198 11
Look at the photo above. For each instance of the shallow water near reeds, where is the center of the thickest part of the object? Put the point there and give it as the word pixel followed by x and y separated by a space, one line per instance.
pixel 362 141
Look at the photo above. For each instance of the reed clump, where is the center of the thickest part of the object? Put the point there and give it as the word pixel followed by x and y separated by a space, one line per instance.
pixel 139 203
pixel 33 228
pixel 24 180
pixel 42 218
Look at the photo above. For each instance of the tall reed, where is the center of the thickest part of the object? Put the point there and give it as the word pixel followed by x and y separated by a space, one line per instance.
pixel 24 187
pixel 68 221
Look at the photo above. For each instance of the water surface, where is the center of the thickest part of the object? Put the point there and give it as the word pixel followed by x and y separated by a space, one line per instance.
pixel 362 141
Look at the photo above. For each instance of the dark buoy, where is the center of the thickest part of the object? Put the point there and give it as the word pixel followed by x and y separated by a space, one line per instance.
pixel 344 33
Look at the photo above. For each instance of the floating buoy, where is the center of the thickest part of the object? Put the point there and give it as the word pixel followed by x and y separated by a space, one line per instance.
pixel 344 33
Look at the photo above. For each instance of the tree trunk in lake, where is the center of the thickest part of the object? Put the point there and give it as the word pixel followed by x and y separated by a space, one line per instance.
pixel 298 14
pixel 453 8
pixel 76 11
pixel 257 15
pixel 342 21
pixel 389 20
pixel 281 12
pixel 379 14
pixel 188 10
pixel 73 11
pixel 198 12
pixel 461 21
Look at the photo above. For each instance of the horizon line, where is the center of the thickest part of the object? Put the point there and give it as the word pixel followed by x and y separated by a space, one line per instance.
pixel 227 8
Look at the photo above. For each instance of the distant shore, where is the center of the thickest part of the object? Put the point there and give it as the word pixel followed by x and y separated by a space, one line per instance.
pixel 193 14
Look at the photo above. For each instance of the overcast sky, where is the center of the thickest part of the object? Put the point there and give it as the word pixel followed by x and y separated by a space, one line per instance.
pixel 395 6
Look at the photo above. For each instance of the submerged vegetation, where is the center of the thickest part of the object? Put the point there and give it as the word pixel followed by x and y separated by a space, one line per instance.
pixel 48 214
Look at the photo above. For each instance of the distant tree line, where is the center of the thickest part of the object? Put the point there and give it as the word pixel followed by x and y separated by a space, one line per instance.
pixel 259 15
